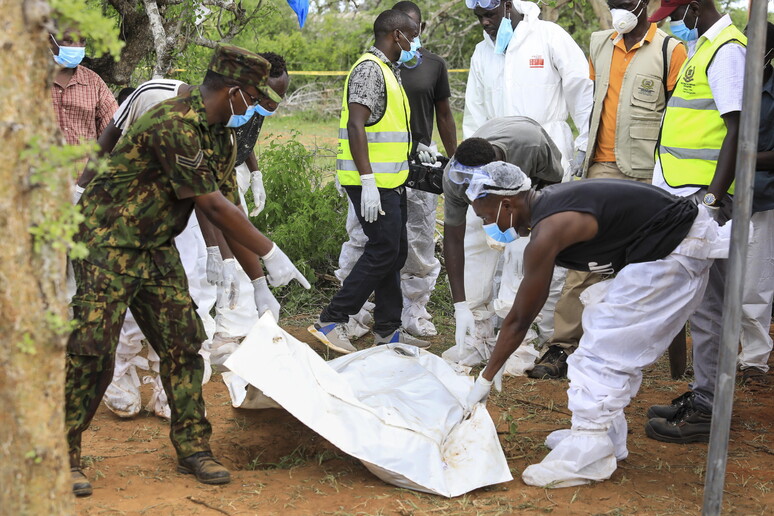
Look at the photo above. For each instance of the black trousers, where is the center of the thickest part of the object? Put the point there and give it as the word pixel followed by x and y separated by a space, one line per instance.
pixel 378 269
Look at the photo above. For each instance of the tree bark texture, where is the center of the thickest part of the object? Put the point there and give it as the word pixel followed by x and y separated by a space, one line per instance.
pixel 34 477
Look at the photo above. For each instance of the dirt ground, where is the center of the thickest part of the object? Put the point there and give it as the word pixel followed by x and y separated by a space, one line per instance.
pixel 279 466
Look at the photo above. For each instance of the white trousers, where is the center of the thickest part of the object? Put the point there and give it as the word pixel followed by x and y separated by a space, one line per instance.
pixel 758 294
pixel 419 274
pixel 628 323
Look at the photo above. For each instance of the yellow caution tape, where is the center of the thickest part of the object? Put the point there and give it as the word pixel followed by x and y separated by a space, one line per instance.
pixel 329 73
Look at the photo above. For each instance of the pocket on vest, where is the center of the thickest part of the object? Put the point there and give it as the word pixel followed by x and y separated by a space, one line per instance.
pixel 647 92
pixel 644 135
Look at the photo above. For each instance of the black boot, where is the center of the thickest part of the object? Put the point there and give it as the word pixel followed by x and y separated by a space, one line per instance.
pixel 551 366
pixel 669 411
pixel 690 425
pixel 81 485
pixel 205 467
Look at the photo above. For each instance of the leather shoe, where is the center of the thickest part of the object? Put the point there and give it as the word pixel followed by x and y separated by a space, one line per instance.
pixel 690 425
pixel 81 485
pixel 206 469
pixel 669 411
pixel 551 366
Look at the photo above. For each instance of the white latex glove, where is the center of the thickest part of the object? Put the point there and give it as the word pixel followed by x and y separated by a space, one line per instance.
pixel 338 186
pixel 497 381
pixel 479 393
pixel 264 299
pixel 228 291
pixel 370 201
pixel 576 165
pixel 259 192
pixel 77 192
pixel 214 266
pixel 281 270
pixel 464 321
pixel 425 154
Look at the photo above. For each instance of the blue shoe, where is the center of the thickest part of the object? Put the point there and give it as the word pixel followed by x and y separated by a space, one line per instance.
pixel 333 335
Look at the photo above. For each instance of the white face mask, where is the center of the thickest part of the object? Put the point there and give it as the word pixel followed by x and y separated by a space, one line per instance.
pixel 625 20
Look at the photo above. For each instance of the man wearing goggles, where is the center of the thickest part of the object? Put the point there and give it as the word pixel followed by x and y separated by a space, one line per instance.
pixel 525 66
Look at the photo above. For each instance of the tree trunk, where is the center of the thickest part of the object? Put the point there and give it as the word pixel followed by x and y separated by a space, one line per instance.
pixel 34 477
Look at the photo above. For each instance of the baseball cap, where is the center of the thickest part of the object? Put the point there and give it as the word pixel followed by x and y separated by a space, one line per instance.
pixel 666 9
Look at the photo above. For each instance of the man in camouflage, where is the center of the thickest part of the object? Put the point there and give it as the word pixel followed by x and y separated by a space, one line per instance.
pixel 179 154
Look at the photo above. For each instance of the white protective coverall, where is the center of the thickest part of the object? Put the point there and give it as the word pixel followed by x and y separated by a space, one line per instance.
pixel 418 275
pixel 234 324
pixel 543 75
pixel 628 323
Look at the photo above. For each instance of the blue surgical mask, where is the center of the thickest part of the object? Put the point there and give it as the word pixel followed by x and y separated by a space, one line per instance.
pixel 69 57
pixel 263 111
pixel 240 120
pixel 504 34
pixel 408 55
pixel 495 237
pixel 681 31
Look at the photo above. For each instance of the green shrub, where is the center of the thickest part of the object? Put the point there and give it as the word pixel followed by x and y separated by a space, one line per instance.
pixel 304 214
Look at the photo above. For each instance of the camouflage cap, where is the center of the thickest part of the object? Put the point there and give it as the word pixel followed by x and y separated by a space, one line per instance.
pixel 243 66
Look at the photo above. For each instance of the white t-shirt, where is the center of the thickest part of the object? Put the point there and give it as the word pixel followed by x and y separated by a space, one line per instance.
pixel 147 95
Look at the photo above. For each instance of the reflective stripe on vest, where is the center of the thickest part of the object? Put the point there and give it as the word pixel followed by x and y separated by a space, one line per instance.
pixel 389 140
pixel 693 129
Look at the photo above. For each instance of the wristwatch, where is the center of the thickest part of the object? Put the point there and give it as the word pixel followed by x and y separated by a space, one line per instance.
pixel 710 200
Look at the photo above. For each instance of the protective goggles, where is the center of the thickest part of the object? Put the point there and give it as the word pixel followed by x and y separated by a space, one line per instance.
pixel 462 174
pixel 484 4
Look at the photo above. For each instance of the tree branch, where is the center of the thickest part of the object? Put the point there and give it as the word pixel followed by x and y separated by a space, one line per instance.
pixel 160 41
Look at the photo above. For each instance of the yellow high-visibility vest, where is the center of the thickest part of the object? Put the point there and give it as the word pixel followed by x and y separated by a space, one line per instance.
pixel 693 130
pixel 389 139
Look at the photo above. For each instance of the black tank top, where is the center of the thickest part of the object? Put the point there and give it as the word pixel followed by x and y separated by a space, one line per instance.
pixel 637 222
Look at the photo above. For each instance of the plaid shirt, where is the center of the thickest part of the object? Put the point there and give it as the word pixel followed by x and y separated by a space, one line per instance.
pixel 83 107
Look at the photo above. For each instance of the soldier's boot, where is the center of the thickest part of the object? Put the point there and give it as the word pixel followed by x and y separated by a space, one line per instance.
pixel 81 485
pixel 206 469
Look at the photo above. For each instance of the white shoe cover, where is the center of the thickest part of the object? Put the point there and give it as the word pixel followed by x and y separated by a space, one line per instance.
pixel 617 432
pixel 360 323
pixel 122 396
pixel 158 403
pixel 523 359
pixel 582 457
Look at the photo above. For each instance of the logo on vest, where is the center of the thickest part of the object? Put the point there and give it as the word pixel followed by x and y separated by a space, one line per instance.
pixel 689 72
pixel 601 269
pixel 536 62
pixel 647 87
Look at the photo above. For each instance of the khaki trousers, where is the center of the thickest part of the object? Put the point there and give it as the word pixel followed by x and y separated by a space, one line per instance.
pixel 567 315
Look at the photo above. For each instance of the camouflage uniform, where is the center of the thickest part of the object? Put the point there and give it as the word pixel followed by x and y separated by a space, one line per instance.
pixel 132 214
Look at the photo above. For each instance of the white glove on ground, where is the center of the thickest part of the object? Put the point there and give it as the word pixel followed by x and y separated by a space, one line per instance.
pixel 77 192
pixel 465 322
pixel 370 201
pixel 425 154
pixel 281 270
pixel 479 393
pixel 214 266
pixel 264 299
pixel 228 292
pixel 576 165
pixel 259 192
